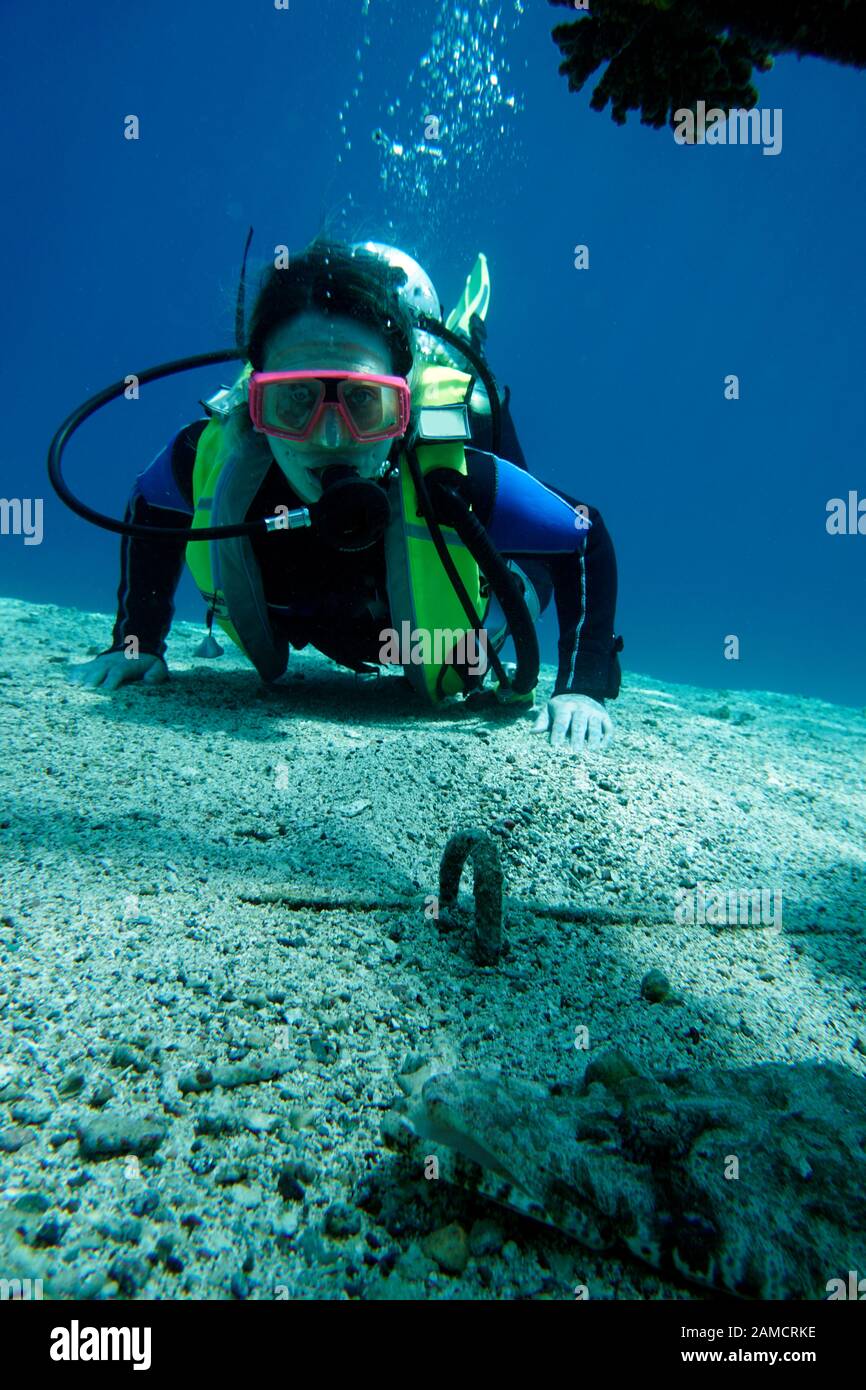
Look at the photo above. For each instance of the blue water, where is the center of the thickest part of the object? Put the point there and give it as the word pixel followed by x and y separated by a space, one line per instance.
pixel 704 261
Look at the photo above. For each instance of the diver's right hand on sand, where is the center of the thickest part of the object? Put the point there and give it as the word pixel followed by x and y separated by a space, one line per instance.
pixel 113 669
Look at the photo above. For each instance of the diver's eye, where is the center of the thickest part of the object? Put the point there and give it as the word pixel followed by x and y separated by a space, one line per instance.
pixel 295 402
pixel 365 404
pixel 360 396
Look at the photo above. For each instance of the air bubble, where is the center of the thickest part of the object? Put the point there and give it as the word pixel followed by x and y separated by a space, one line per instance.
pixel 464 64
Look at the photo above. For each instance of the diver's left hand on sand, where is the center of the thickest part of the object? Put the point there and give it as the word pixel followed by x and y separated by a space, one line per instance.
pixel 110 670
pixel 575 721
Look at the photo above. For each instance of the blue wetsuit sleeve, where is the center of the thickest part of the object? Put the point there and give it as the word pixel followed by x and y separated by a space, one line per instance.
pixel 150 570
pixel 545 529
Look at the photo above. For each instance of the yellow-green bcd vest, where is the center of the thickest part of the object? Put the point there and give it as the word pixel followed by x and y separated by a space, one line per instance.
pixel 420 591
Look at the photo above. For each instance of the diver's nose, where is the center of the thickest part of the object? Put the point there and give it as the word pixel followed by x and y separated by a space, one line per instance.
pixel 331 431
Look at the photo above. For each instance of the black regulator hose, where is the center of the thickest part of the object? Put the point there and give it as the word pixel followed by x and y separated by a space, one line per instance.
pixel 438 499
pixel 130 528
pixel 504 586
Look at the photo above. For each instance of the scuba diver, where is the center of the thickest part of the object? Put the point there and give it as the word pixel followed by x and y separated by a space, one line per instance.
pixel 373 434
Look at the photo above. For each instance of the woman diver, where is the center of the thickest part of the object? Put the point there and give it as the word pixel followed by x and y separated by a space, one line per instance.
pixel 311 436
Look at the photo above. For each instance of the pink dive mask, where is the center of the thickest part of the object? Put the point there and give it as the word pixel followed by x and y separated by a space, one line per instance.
pixel 290 404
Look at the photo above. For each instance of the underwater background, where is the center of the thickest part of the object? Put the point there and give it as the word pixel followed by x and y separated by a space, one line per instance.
pixel 703 262
pixel 239 1011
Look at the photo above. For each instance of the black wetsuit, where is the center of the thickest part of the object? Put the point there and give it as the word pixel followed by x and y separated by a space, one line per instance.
pixel 337 601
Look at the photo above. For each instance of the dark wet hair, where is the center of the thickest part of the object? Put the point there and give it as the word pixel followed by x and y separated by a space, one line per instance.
pixel 332 277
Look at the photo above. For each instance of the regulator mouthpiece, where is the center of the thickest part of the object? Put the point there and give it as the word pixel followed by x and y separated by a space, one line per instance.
pixel 352 512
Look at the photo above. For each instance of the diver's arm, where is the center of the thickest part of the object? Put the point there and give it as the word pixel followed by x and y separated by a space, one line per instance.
pixel 582 566
pixel 150 570
pixel 584 587
pixel 585 591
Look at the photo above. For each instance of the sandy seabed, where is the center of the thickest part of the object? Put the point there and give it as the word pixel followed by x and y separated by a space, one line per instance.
pixel 135 828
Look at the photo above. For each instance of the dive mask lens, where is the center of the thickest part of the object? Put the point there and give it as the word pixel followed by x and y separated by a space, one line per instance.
pixel 290 404
pixel 373 410
pixel 289 408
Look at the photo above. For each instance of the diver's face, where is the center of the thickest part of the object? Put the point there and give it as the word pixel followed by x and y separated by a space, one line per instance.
pixel 316 341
